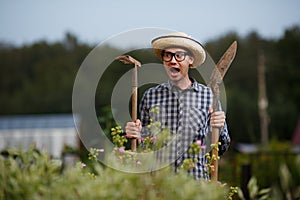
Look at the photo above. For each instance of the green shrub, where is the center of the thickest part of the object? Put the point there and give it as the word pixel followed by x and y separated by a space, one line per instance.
pixel 33 175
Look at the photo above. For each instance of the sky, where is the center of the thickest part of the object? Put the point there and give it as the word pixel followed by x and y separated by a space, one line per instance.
pixel 92 21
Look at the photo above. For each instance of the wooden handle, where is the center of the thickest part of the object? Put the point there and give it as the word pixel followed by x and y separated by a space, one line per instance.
pixel 126 59
pixel 215 140
pixel 215 136
pixel 134 103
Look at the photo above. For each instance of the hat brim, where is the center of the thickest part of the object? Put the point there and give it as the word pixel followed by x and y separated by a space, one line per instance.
pixel 163 42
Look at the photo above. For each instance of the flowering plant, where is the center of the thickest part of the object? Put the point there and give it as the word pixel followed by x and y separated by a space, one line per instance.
pixel 156 139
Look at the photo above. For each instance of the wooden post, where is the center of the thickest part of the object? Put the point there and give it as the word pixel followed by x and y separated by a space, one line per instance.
pixel 262 99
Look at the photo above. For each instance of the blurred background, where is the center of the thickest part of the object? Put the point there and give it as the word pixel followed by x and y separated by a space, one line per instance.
pixel 42 45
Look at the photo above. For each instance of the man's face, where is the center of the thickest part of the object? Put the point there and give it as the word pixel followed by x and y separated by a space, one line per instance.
pixel 177 62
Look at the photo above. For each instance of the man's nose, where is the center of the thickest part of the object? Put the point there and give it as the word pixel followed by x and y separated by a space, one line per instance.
pixel 173 60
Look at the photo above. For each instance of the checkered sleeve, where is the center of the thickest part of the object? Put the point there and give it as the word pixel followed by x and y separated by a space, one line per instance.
pixel 224 138
pixel 145 116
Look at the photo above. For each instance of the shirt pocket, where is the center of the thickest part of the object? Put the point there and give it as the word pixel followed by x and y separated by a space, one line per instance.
pixel 199 119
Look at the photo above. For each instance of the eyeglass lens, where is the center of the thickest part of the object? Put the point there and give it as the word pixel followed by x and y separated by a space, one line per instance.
pixel 179 56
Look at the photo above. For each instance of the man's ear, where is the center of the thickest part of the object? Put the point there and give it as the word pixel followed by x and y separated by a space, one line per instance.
pixel 191 60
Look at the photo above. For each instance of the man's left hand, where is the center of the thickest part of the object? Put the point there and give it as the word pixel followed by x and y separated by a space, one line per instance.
pixel 217 119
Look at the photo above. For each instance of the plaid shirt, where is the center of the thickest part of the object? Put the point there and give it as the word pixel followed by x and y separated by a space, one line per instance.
pixel 186 114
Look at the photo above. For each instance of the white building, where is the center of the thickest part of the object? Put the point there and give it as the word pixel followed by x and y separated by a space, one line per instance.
pixel 47 132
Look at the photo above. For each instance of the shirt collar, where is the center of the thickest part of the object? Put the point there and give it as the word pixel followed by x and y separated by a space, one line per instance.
pixel 195 86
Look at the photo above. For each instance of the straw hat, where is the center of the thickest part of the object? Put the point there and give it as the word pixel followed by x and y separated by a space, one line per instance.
pixel 180 39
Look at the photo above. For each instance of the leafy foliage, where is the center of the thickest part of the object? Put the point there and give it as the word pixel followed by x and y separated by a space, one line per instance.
pixel 33 175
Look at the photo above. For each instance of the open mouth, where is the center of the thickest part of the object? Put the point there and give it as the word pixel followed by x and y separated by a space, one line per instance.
pixel 174 70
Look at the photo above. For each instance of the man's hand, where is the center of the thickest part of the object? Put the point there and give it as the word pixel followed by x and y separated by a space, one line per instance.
pixel 133 129
pixel 217 119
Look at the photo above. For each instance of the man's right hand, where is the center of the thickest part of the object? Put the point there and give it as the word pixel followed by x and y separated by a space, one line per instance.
pixel 133 129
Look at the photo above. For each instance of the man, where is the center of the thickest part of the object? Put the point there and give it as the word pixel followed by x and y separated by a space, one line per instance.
pixel 184 104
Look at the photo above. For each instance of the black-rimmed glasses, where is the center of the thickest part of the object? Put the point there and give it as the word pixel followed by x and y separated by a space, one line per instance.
pixel 179 56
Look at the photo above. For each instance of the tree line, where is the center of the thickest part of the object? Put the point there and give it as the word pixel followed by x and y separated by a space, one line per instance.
pixel 39 78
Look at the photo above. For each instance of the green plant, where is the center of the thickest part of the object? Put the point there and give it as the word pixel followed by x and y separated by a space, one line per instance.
pixel 254 192
pixel 157 139
pixel 118 136
pixel 288 186
pixel 34 175
pixel 27 175
pixel 211 158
